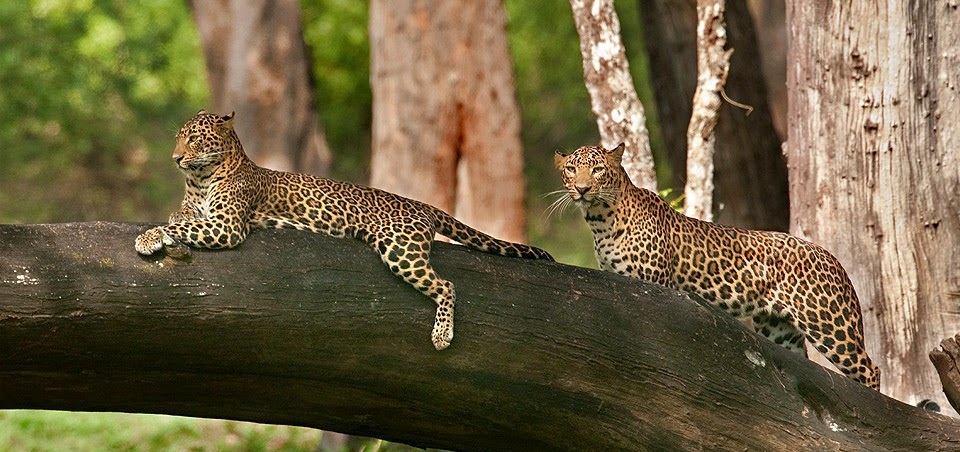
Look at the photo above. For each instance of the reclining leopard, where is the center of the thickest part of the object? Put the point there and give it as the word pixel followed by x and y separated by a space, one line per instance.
pixel 227 195
pixel 794 290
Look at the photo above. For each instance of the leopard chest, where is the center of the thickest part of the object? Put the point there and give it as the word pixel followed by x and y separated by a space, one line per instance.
pixel 636 249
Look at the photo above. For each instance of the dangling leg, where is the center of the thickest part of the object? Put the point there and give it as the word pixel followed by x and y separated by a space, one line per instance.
pixel 408 257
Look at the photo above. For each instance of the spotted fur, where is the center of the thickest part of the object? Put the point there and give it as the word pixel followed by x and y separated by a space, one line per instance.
pixel 792 289
pixel 227 195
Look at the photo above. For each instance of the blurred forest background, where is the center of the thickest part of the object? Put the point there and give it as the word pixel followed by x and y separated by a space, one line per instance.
pixel 93 92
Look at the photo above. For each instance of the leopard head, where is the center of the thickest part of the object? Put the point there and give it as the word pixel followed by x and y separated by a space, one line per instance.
pixel 205 141
pixel 592 175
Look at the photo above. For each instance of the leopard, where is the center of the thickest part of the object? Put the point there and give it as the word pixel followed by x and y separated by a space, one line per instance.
pixel 227 195
pixel 793 290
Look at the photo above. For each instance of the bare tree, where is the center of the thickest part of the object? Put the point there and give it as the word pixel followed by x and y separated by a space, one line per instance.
pixel 750 171
pixel 446 127
pixel 257 65
pixel 606 72
pixel 874 168
pixel 713 63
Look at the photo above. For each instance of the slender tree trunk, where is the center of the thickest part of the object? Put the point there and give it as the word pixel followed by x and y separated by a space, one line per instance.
pixel 713 64
pixel 446 126
pixel 613 97
pixel 304 329
pixel 875 168
pixel 257 65
pixel 749 169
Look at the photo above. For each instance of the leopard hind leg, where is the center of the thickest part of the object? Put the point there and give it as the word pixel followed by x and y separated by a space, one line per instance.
pixel 841 342
pixel 781 330
pixel 838 336
pixel 407 254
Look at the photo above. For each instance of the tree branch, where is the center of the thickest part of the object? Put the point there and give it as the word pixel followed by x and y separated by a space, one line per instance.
pixel 945 359
pixel 303 329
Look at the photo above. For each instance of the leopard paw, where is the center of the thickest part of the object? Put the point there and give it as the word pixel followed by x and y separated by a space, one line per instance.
pixel 442 336
pixel 152 241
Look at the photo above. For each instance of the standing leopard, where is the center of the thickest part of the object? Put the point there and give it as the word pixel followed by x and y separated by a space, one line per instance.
pixel 227 195
pixel 792 289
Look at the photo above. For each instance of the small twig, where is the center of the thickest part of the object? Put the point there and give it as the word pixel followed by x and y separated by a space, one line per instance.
pixel 748 108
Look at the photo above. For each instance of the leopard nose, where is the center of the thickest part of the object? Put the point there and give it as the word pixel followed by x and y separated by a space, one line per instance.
pixel 178 159
pixel 582 190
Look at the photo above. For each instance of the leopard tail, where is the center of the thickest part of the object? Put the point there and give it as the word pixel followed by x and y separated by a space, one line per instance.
pixel 449 226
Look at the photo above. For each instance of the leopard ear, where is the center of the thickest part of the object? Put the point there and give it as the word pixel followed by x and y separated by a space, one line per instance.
pixel 228 120
pixel 558 158
pixel 616 154
pixel 201 112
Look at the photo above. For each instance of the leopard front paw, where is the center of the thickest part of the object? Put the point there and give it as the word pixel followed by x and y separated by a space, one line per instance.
pixel 442 336
pixel 152 241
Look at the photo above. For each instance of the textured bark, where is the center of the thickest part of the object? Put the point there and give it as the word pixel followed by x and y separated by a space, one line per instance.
pixel 875 168
pixel 304 329
pixel 713 63
pixel 446 126
pixel 613 98
pixel 750 173
pixel 257 66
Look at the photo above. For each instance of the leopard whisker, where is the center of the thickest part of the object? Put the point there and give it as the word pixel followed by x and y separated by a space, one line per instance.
pixel 561 191
pixel 560 204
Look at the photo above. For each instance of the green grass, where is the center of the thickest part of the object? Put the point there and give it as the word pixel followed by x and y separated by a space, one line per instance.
pixel 55 431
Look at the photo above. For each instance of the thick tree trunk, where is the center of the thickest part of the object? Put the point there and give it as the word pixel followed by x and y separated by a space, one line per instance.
pixel 749 169
pixel 613 97
pixel 446 127
pixel 303 329
pixel 875 168
pixel 257 66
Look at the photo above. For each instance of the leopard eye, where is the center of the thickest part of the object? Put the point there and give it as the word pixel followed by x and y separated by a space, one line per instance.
pixel 597 170
pixel 570 169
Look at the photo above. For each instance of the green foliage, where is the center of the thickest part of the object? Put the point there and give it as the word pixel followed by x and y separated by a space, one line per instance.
pixel 89 90
pixel 59 431
pixel 54 431
pixel 336 33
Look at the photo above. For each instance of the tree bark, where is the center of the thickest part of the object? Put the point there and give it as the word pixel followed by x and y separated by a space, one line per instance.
pixel 874 168
pixel 749 168
pixel 446 126
pixel 257 65
pixel 304 329
pixel 613 97
pixel 713 64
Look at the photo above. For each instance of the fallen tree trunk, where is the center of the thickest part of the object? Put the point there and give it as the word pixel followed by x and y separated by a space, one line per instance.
pixel 302 329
